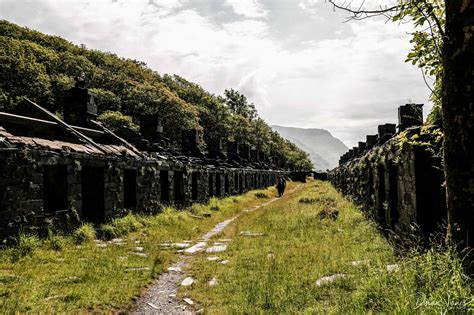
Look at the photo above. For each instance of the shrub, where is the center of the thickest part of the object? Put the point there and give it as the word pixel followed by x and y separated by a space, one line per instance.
pixel 121 226
pixel 56 242
pixel 26 246
pixel 127 224
pixel 307 200
pixel 261 195
pixel 108 232
pixel 85 233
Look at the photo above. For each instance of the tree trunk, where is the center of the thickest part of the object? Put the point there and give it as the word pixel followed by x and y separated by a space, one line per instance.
pixel 458 116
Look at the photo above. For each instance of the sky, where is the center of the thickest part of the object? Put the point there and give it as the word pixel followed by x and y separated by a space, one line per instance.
pixel 296 60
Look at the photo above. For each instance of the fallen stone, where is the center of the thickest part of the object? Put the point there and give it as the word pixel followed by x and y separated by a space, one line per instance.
pixel 224 262
pixel 188 300
pixel 216 249
pixel 356 263
pixel 393 267
pixel 174 269
pixel 248 233
pixel 152 305
pixel 213 282
pixel 196 248
pixel 329 279
pixel 117 240
pixel 101 245
pixel 271 256
pixel 181 245
pixel 54 297
pixel 213 258
pixel 187 282
pixel 141 254
pixel 138 249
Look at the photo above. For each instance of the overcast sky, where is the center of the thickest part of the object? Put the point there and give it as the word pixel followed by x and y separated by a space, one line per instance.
pixel 295 59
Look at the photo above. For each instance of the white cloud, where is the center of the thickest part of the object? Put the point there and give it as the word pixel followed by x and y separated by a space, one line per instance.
pixel 348 84
pixel 248 8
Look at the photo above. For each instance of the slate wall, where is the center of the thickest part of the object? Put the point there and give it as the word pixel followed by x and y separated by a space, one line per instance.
pixel 25 188
pixel 400 183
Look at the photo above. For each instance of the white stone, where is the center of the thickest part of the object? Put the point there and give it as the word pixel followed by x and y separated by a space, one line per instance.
pixel 213 258
pixel 224 262
pixel 248 233
pixel 181 245
pixel 187 282
pixel 392 268
pixel 216 249
pixel 359 262
pixel 100 245
pixel 174 269
pixel 196 248
pixel 189 301
pixel 141 254
pixel 213 282
pixel 138 249
pixel 329 279
pixel 152 305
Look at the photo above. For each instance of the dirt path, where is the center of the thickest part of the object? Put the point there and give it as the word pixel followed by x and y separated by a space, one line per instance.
pixel 161 297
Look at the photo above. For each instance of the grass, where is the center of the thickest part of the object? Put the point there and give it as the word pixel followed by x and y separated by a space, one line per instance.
pixel 78 273
pixel 293 242
pixel 277 272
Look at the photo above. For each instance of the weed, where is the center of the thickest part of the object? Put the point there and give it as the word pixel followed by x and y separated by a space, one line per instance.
pixel 261 195
pixel 84 234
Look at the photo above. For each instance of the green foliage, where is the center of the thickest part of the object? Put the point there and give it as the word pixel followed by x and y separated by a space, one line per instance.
pixel 26 245
pixel 121 226
pixel 84 234
pixel 115 120
pixel 41 67
pixel 428 18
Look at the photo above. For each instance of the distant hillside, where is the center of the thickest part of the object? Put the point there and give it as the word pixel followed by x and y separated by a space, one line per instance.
pixel 323 149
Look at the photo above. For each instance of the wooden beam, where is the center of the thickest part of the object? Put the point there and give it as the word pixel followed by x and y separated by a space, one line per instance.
pixel 28 122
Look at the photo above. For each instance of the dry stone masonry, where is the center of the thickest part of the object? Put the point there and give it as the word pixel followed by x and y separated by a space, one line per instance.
pixel 60 173
pixel 398 178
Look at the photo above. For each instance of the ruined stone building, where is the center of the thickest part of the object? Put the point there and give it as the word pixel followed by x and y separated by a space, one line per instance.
pixel 398 178
pixel 62 172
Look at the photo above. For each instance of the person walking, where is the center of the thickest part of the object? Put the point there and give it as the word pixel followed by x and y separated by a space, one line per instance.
pixel 281 185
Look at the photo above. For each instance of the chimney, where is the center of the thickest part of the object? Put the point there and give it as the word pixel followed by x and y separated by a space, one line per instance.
pixel 386 132
pixel 410 115
pixel 233 151
pixel 79 106
pixel 362 146
pixel 371 140
pixel 190 143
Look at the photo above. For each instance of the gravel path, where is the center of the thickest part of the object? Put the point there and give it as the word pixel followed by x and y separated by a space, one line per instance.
pixel 161 297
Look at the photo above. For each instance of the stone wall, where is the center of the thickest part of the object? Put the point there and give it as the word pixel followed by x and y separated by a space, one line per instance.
pixel 400 182
pixel 40 188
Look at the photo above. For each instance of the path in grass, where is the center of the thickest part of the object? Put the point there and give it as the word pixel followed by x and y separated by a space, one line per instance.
pixel 307 253
pixel 161 297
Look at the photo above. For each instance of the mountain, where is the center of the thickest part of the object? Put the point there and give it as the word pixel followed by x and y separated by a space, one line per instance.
pixel 323 148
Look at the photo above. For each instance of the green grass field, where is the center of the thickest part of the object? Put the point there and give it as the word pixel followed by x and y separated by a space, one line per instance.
pixel 308 234
pixel 301 243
